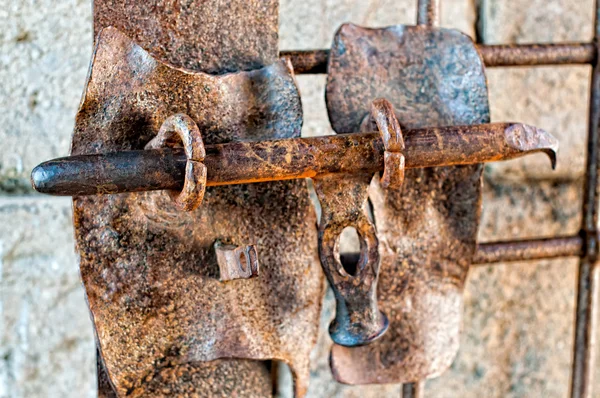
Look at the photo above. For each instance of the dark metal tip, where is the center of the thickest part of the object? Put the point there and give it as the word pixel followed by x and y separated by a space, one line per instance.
pixel 39 178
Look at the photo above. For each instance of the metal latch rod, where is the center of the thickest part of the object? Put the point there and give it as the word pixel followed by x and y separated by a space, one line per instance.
pixel 271 160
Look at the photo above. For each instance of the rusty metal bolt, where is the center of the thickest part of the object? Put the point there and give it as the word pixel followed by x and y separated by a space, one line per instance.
pixel 358 320
pixel 181 129
pixel 236 262
pixel 383 116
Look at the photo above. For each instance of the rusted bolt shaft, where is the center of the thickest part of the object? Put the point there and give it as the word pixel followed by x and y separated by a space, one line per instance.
pixel 428 12
pixel 249 162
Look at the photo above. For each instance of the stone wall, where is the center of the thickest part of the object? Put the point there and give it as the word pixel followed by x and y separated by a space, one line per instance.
pixel 518 325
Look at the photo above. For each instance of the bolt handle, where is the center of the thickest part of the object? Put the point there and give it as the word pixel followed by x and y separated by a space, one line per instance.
pixel 358 320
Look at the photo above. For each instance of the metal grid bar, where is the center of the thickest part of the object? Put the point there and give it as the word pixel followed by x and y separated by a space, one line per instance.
pixel 315 61
pixel 413 390
pixel 526 250
pixel 428 12
pixel 537 54
pixel 587 284
pixel 519 250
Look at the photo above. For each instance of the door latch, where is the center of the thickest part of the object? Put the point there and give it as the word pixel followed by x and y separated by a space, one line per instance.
pixel 179 275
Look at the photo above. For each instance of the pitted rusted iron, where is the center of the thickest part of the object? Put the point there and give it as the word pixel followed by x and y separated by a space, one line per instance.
pixel 343 200
pixel 162 317
pixel 220 378
pixel 427 230
pixel 383 117
pixel 211 36
pixel 181 130
pixel 236 262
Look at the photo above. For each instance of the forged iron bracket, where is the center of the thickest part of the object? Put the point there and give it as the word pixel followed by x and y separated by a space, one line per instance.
pixel 165 324
pixel 427 227
pixel 343 201
pixel 236 262
pixel 181 129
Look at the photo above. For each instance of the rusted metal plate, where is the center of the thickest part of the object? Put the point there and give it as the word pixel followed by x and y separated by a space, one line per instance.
pixel 212 36
pixel 215 379
pixel 219 378
pixel 150 271
pixel 427 229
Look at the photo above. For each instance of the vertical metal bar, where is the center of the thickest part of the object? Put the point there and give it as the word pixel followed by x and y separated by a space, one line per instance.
pixel 587 284
pixel 413 390
pixel 585 330
pixel 428 12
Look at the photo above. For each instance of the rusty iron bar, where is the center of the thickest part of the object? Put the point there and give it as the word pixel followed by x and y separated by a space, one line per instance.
pixel 518 250
pixel 586 314
pixel 537 54
pixel 414 390
pixel 428 12
pixel 526 250
pixel 259 161
pixel 315 61
pixel 307 61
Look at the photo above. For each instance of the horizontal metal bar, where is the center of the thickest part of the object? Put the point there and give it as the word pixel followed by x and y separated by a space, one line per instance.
pixel 307 61
pixel 517 250
pixel 315 61
pixel 537 54
pixel 531 249
pixel 258 161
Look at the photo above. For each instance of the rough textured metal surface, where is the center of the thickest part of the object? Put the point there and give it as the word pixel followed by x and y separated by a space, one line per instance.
pixel 150 271
pixel 181 130
pixel 343 200
pixel 260 104
pixel 219 378
pixel 384 118
pixel 215 379
pixel 428 230
pixel 213 36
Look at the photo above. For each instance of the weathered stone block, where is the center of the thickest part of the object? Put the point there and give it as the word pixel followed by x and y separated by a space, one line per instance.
pixel 518 318
pixel 46 339
pixel 45 49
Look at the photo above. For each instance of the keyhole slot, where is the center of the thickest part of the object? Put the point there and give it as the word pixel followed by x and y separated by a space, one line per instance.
pixel 349 250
